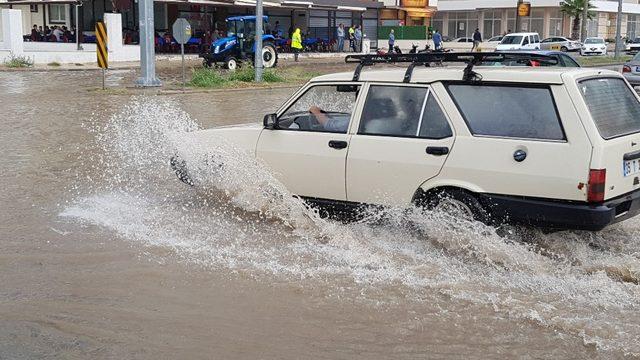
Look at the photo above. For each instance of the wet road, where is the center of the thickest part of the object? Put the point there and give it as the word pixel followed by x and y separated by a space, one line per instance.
pixel 104 255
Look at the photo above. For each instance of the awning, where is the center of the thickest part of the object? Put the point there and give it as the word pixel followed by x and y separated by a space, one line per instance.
pixel 35 2
pixel 419 12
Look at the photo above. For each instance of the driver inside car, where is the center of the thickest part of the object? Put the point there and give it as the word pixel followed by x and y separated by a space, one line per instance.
pixel 329 123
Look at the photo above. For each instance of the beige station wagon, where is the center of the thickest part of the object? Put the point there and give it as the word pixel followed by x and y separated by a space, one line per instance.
pixel 543 146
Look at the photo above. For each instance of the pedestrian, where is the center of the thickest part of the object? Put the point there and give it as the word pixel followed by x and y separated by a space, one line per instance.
pixel 437 40
pixel 358 38
pixel 477 39
pixel 392 41
pixel 352 38
pixel 296 43
pixel 34 33
pixel 340 35
pixel 57 33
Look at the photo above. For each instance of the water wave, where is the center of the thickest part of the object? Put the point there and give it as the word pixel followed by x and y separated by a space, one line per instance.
pixel 241 218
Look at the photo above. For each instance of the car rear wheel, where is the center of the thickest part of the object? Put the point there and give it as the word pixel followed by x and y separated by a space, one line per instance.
pixel 564 49
pixel 460 204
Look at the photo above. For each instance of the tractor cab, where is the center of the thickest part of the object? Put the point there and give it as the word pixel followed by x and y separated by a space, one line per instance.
pixel 239 44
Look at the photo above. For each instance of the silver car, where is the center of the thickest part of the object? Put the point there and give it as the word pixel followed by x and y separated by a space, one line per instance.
pixel 559 43
pixel 631 70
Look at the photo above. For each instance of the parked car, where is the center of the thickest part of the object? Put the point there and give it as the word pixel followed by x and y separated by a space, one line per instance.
pixel 631 70
pixel 519 41
pixel 594 46
pixel 633 46
pixel 533 146
pixel 495 40
pixel 463 40
pixel 548 58
pixel 560 43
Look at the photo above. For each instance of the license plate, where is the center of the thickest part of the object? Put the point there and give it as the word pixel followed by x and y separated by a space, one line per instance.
pixel 631 167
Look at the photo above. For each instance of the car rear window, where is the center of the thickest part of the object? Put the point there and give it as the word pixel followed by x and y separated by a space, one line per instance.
pixel 508 111
pixel 613 106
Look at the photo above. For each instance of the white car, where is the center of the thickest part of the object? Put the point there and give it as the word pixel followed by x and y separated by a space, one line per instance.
pixel 495 40
pixel 519 41
pixel 544 146
pixel 560 43
pixel 593 46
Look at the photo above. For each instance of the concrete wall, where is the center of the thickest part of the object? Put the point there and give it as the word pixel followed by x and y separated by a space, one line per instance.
pixel 46 52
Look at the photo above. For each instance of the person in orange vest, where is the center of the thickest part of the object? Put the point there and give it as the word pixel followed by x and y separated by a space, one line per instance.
pixel 296 43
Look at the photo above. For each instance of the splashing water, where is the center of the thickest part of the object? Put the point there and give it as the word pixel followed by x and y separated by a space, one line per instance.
pixel 241 218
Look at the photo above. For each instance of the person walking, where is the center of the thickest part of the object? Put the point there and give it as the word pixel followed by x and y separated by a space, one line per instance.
pixel 437 40
pixel 477 39
pixel 352 38
pixel 340 35
pixel 358 38
pixel 296 43
pixel 392 41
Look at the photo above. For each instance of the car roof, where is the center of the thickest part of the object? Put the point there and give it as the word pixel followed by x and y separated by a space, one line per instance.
pixel 539 75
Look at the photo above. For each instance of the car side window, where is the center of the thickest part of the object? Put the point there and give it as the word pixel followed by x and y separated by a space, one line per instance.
pixel 525 41
pixel 403 111
pixel 507 111
pixel 536 38
pixel 322 108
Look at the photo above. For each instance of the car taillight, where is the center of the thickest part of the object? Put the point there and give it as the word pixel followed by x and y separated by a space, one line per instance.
pixel 626 68
pixel 595 189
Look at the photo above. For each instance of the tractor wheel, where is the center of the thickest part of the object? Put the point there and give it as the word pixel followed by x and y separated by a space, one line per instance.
pixel 231 63
pixel 269 56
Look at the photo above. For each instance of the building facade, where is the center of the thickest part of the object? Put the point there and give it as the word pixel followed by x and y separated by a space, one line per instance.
pixel 460 18
pixel 316 18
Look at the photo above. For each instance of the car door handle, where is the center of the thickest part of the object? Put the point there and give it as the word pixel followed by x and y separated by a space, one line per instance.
pixel 437 150
pixel 337 144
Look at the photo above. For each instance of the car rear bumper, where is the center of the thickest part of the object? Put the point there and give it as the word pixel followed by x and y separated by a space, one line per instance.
pixel 562 214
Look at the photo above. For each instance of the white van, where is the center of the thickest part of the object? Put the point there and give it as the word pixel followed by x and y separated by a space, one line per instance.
pixel 519 41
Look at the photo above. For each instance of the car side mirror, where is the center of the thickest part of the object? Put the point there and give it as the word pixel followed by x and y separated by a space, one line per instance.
pixel 270 121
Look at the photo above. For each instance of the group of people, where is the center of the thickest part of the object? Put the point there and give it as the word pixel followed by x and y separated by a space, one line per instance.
pixel 353 33
pixel 436 37
pixel 53 34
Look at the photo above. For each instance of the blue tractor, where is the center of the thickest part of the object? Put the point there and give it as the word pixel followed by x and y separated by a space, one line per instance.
pixel 239 45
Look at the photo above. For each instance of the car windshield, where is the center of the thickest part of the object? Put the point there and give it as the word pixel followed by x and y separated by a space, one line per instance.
pixel 594 41
pixel 636 40
pixel 636 57
pixel 511 40
pixel 613 106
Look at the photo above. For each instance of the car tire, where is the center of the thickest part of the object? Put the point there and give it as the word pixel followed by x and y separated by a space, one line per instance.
pixel 454 201
pixel 206 63
pixel 564 49
pixel 231 63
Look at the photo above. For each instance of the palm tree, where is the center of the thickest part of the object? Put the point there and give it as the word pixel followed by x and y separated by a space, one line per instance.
pixel 573 8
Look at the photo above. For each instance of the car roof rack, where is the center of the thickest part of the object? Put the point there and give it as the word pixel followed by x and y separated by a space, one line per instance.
pixel 425 59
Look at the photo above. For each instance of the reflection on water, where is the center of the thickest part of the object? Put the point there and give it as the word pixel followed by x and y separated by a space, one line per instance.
pixel 240 218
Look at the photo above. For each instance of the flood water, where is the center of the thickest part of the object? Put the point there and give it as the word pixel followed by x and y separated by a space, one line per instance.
pixel 105 255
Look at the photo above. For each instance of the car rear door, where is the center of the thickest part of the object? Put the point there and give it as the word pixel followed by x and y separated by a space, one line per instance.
pixel 403 138
pixel 309 157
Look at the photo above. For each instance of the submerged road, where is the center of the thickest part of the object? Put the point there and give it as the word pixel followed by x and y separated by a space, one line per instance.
pixel 105 255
